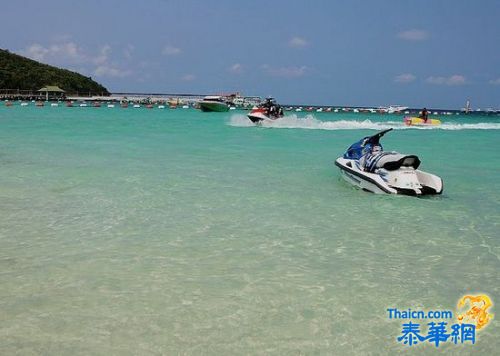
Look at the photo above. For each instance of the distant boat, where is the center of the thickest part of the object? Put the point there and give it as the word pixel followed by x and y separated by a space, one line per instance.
pixel 467 108
pixel 391 109
pixel 237 101
pixel 214 103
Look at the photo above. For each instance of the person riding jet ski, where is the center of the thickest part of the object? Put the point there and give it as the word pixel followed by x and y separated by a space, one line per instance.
pixel 268 110
pixel 272 108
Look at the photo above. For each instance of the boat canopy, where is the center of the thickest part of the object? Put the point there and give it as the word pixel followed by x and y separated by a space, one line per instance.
pixel 213 98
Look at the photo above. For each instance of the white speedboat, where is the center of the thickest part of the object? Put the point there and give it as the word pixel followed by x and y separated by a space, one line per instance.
pixel 366 165
pixel 395 109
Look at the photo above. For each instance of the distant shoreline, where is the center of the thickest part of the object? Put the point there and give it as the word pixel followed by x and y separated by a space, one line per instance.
pixel 174 102
pixel 155 98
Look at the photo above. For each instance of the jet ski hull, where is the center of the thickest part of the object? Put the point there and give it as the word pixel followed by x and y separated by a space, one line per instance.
pixel 259 117
pixel 406 180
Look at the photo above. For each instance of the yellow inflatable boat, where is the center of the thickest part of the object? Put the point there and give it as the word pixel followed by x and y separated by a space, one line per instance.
pixel 417 121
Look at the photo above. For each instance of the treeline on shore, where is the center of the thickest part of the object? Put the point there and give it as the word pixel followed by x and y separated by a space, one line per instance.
pixel 18 72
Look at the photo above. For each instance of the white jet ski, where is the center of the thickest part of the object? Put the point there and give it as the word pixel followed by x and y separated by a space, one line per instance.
pixel 367 166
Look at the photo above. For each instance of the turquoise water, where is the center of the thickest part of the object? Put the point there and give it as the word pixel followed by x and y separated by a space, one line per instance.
pixel 135 231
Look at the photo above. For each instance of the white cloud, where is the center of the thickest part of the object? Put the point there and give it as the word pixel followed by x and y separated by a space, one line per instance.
pixel 58 52
pixel 36 51
pixel 111 71
pixel 405 78
pixel 69 50
pixel 189 77
pixel 285 72
pixel 413 35
pixel 453 80
pixel 103 55
pixel 236 68
pixel 297 42
pixel 69 55
pixel 495 81
pixel 171 51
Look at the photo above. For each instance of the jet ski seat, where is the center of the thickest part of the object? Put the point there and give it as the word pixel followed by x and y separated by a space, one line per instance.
pixel 393 163
pixel 388 160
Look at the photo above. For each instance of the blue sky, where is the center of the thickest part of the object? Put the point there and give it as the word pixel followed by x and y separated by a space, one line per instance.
pixel 434 53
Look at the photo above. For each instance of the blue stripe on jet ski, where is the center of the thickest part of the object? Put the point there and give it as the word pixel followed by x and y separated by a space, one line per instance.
pixel 371 162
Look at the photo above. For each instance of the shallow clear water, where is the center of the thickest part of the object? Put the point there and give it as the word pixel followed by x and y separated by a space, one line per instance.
pixel 132 231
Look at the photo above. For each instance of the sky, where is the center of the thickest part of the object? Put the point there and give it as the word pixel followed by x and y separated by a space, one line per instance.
pixel 433 53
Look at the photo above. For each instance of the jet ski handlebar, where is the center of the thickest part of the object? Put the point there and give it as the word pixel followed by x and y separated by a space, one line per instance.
pixel 374 140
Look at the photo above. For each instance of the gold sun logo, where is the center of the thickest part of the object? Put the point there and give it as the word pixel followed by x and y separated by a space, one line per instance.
pixel 478 311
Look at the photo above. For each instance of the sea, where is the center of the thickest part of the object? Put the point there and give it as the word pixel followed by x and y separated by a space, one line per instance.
pixel 176 232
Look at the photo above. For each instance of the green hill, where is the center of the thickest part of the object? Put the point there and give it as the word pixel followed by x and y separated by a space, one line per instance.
pixel 18 72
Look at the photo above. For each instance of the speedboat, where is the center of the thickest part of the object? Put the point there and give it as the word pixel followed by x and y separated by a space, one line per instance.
pixel 366 165
pixel 267 111
pixel 214 103
pixel 392 109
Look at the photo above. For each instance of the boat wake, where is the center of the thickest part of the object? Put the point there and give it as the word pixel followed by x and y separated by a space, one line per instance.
pixel 309 122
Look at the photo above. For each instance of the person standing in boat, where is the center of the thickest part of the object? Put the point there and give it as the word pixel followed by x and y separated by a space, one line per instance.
pixel 424 115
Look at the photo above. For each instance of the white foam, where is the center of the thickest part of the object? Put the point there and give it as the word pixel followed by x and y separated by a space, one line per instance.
pixel 478 126
pixel 309 122
pixel 240 121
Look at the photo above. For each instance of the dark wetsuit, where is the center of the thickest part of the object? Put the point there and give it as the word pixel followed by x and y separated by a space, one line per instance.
pixel 424 115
